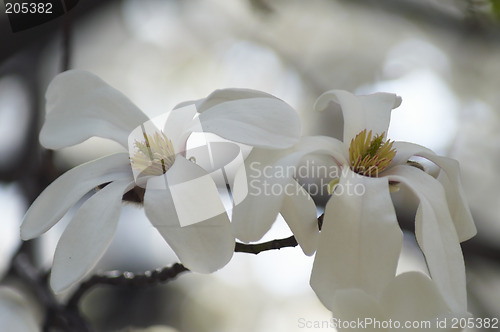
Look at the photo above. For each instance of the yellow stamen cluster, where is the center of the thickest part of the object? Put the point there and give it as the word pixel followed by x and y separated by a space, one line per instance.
pixel 370 156
pixel 154 156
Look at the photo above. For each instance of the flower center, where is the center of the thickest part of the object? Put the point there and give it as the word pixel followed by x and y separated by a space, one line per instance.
pixel 369 156
pixel 154 156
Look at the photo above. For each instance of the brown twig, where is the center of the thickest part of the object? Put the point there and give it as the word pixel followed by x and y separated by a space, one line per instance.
pixel 56 314
pixel 271 245
pixel 115 278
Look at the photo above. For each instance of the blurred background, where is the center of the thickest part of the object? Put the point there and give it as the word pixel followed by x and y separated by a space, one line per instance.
pixel 441 56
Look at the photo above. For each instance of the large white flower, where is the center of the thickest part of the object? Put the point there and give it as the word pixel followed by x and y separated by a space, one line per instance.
pixel 360 240
pixel 80 105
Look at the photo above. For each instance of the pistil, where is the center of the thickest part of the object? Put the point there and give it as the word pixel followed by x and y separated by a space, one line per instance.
pixel 370 156
pixel 154 156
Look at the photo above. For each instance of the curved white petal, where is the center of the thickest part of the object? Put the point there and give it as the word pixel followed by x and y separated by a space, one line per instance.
pixel 315 174
pixel 436 234
pixel 258 193
pixel 81 105
pixel 224 95
pixel 259 186
pixel 68 189
pixel 455 195
pixel 180 123
pixel 16 314
pixel 185 207
pixel 323 145
pixel 451 181
pixel 299 212
pixel 261 122
pixel 354 305
pixel 406 150
pixel 87 236
pixel 360 241
pixel 371 112
pixel 414 297
pixel 410 298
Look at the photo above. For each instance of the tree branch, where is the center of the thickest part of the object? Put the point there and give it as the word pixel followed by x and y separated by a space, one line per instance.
pixel 56 315
pixel 271 245
pixel 129 279
pixel 149 278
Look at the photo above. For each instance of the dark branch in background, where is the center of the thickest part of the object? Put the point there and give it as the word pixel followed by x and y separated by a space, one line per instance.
pixel 149 278
pixel 56 314
pixel 271 245
pixel 68 316
pixel 35 169
pixel 42 34
pixel 129 279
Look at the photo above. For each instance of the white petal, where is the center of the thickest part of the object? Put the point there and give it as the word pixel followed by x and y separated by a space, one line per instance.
pixel 177 126
pixel 451 181
pixel 360 241
pixel 436 234
pixel 299 211
pixel 173 201
pixel 16 315
pixel 259 187
pixel 323 145
pixel 353 305
pixel 68 189
pixel 224 95
pixel 455 195
pixel 371 112
pixel 414 297
pixel 260 122
pixel 87 236
pixel 81 105
pixel 258 193
pixel 405 151
pixel 411 297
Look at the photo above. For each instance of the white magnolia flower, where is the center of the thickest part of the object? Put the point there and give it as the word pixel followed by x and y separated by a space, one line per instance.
pixel 410 301
pixel 79 106
pixel 360 240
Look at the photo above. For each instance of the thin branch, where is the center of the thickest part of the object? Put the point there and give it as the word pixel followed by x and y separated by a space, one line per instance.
pixel 56 315
pixel 149 278
pixel 116 278
pixel 271 245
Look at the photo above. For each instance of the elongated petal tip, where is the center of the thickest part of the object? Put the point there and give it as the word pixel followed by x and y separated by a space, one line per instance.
pixel 87 236
pixel 81 105
pixel 185 207
pixel 436 234
pixel 360 240
pixel 68 189
pixel 27 234
pixel 299 211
